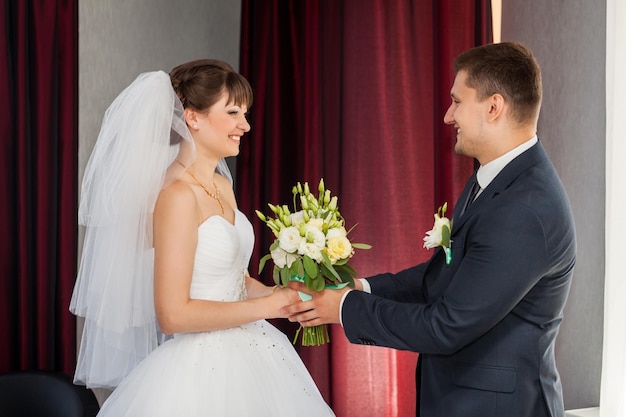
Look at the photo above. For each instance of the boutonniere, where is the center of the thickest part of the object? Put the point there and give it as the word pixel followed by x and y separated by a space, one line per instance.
pixel 439 235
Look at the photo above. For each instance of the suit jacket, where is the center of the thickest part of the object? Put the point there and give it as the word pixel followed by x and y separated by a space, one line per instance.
pixel 485 325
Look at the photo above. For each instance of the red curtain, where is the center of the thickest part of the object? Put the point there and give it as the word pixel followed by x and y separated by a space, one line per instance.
pixel 38 171
pixel 355 92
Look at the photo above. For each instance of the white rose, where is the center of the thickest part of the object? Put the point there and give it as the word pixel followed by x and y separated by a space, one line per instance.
pixel 314 235
pixel 297 218
pixel 311 250
pixel 316 223
pixel 336 232
pixel 289 239
pixel 339 247
pixel 282 258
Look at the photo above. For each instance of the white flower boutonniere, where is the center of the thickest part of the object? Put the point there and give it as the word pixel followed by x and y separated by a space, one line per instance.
pixel 440 233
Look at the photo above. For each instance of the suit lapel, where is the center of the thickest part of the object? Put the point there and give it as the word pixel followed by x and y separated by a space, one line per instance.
pixel 502 181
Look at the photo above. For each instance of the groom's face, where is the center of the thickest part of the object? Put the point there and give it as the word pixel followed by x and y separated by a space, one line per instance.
pixel 466 115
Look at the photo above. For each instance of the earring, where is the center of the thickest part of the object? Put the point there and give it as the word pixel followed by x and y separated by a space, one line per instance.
pixel 195 127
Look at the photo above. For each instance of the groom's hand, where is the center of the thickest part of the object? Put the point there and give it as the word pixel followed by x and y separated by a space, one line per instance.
pixel 323 308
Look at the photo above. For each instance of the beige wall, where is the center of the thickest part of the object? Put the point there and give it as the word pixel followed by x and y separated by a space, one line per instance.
pixel 568 38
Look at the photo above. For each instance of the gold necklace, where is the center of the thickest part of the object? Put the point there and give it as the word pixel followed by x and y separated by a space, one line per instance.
pixel 215 196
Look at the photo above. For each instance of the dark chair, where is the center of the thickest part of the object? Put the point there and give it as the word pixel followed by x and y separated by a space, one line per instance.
pixel 44 394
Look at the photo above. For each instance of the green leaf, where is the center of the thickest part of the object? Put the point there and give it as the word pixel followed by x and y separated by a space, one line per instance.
pixel 342 262
pixel 346 277
pixel 300 269
pixel 319 283
pixel 330 273
pixel 329 265
pixel 263 261
pixel 342 271
pixel 326 259
pixel 347 269
pixel 445 236
pixel 274 245
pixel 284 276
pixel 310 266
pixel 276 275
pixel 361 246
pixel 293 270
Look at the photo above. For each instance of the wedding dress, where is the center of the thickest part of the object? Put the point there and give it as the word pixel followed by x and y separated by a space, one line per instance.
pixel 248 370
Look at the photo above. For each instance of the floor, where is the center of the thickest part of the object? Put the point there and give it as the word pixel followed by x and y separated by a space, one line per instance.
pixel 584 412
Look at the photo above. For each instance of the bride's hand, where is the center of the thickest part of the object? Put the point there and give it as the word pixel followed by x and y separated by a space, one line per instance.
pixel 279 298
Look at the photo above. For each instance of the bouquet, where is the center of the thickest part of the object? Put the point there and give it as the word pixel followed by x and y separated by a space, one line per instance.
pixel 312 247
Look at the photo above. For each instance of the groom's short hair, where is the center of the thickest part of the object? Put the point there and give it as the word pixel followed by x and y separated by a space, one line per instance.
pixel 508 69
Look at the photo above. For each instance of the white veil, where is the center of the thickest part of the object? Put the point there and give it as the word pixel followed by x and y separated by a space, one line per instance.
pixel 143 145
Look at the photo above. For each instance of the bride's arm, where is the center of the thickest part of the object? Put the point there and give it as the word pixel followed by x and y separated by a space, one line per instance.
pixel 175 240
pixel 256 288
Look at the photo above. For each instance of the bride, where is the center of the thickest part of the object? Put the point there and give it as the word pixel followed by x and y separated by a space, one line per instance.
pixel 166 253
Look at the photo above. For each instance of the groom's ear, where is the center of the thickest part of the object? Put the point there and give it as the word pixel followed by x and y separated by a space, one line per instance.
pixel 496 107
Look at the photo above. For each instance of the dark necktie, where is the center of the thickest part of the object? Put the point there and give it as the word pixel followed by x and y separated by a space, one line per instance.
pixel 472 196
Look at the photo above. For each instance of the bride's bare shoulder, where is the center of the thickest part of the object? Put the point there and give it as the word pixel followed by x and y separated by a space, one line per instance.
pixel 177 196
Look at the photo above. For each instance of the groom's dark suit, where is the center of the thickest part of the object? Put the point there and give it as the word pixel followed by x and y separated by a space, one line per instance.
pixel 485 325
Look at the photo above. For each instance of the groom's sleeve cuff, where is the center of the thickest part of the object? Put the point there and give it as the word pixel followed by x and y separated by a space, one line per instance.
pixel 366 288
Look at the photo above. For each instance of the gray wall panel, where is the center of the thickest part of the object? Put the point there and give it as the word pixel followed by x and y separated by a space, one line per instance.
pixel 119 39
pixel 568 38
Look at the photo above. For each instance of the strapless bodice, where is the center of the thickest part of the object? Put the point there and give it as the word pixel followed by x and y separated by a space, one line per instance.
pixel 222 256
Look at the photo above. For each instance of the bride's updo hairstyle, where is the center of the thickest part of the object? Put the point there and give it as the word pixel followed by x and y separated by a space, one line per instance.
pixel 199 84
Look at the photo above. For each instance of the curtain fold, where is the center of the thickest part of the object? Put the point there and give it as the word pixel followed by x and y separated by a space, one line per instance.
pixel 355 92
pixel 38 204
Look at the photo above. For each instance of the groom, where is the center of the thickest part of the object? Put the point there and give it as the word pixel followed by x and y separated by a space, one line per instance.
pixel 485 325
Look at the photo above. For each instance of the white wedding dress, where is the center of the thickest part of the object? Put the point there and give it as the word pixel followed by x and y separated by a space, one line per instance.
pixel 248 370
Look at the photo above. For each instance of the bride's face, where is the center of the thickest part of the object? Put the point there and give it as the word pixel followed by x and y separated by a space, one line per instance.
pixel 220 128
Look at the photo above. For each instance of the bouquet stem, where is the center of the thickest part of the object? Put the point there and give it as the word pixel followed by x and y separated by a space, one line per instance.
pixel 313 336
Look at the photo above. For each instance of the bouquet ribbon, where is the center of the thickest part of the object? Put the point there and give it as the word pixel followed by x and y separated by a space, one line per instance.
pixel 316 335
pixel 306 297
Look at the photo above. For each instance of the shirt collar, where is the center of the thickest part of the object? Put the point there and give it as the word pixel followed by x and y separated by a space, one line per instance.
pixel 486 173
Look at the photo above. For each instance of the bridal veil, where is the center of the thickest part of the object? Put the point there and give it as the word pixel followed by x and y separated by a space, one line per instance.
pixel 144 144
